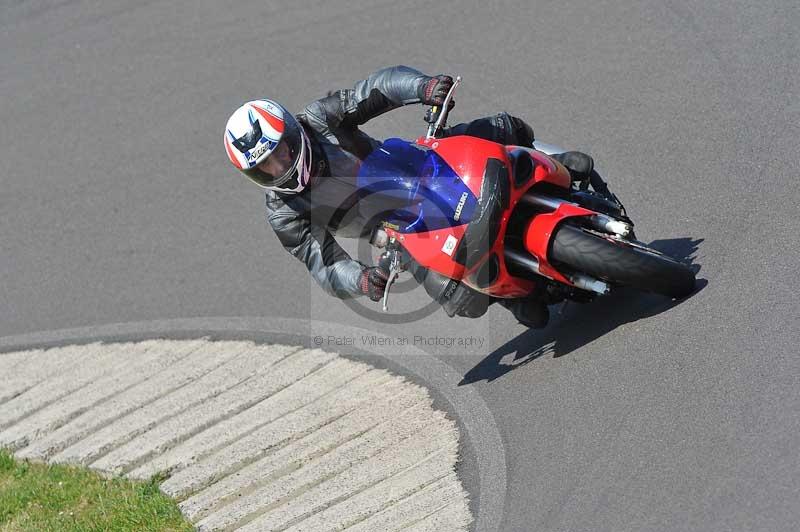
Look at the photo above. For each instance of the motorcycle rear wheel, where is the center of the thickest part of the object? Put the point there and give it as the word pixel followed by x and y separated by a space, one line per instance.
pixel 621 262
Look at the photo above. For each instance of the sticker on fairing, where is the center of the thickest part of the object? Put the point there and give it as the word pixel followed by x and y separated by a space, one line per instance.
pixel 449 245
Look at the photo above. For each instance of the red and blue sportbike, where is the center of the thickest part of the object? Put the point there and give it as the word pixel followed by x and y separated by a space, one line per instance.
pixel 508 221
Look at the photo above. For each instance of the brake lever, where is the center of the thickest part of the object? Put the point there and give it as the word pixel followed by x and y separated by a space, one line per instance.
pixel 394 271
pixel 433 129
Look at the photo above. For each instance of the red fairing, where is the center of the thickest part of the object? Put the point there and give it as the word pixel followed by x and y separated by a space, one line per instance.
pixel 434 249
pixel 468 156
pixel 540 230
pixel 506 285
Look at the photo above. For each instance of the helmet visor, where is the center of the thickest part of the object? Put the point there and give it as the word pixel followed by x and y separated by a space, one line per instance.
pixel 281 165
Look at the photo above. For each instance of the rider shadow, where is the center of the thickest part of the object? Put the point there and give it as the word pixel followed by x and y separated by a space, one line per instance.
pixel 581 324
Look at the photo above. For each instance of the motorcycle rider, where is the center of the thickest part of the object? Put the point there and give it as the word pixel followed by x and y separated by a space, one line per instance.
pixel 307 165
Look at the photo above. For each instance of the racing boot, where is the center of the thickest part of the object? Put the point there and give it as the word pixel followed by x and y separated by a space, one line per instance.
pixel 601 187
pixel 532 313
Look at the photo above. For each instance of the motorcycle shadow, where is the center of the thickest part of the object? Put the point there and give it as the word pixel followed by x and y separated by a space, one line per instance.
pixel 581 324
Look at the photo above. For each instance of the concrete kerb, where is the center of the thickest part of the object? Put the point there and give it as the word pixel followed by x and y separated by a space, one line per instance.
pixel 483 465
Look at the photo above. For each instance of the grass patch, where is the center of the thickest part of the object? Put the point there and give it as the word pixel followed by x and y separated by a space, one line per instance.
pixel 54 498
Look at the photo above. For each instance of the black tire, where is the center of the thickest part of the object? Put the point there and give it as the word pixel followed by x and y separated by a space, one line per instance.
pixel 628 263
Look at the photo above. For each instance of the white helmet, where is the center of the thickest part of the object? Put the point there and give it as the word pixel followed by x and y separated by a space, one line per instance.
pixel 267 144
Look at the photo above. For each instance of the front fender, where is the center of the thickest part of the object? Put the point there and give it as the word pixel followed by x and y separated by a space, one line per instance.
pixel 540 231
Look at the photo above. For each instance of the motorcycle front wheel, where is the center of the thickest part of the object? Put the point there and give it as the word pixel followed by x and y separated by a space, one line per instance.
pixel 620 261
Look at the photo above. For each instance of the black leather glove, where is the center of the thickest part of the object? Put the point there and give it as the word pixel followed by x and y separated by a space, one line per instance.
pixel 434 91
pixel 373 282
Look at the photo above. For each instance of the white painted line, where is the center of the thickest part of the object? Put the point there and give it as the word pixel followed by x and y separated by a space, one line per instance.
pixel 255 437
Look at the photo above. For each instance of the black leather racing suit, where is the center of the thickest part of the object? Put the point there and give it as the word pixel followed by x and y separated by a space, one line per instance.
pixel 305 222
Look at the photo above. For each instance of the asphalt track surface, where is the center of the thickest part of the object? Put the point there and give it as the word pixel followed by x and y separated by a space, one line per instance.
pixel 634 413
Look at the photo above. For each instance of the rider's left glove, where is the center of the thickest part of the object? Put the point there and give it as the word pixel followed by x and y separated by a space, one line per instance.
pixel 373 282
pixel 434 91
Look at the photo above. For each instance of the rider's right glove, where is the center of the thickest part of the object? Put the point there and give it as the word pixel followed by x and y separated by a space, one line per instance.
pixel 373 282
pixel 434 91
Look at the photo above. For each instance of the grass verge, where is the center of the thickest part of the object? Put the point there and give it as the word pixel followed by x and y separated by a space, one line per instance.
pixel 45 497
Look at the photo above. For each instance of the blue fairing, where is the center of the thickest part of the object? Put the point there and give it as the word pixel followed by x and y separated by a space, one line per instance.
pixel 423 190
